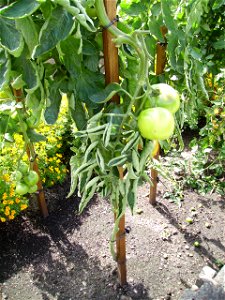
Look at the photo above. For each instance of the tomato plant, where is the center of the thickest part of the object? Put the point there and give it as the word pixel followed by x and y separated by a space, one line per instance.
pixel 50 48
pixel 37 67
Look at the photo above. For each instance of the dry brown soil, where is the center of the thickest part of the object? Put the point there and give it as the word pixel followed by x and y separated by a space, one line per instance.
pixel 66 256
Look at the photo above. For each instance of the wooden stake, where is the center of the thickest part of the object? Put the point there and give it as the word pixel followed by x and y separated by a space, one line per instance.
pixel 111 61
pixel 112 75
pixel 41 195
pixel 160 66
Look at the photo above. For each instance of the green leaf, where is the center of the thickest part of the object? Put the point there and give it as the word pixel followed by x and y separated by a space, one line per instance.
pixel 168 16
pixel 154 27
pixel 132 194
pixel 92 62
pixel 171 48
pixel 197 10
pixel 18 83
pixel 78 113
pixel 117 161
pixel 87 85
pixel 220 44
pixel 29 32
pixel 196 53
pixel 10 38
pixel 9 138
pixel 134 9
pixel 72 62
pixel 5 67
pixel 35 137
pixel 28 69
pixel 20 9
pixel 33 100
pixel 54 100
pixel 55 29
pixel 89 192
pixel 218 3
pixel 106 94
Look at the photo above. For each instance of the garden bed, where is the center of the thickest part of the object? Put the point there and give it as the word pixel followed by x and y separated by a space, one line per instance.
pixel 66 256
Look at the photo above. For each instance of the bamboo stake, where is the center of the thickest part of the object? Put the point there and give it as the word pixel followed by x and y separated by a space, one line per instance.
pixel 160 66
pixel 112 75
pixel 41 196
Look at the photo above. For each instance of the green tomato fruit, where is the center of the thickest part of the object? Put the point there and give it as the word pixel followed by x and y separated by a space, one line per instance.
pixel 21 188
pixel 17 175
pixel 32 178
pixel 165 96
pixel 156 123
pixel 23 168
pixel 91 12
pixel 32 189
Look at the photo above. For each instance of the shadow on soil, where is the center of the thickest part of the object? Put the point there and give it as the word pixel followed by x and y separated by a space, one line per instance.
pixel 189 236
pixel 58 264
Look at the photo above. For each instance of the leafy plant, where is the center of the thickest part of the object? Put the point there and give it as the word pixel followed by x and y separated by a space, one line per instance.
pixel 52 47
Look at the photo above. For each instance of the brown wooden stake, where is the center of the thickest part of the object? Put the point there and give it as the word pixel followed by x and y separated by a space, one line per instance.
pixel 111 63
pixel 160 66
pixel 41 196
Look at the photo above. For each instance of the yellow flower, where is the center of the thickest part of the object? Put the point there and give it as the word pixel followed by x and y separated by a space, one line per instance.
pixel 10 202
pixel 11 217
pixel 59 155
pixel 3 219
pixel 5 202
pixel 58 177
pixel 58 161
pixel 51 168
pixel 12 194
pixel 4 196
pixel 51 140
pixel 23 206
pixel 17 200
pixel 57 170
pixel 7 213
pixel 50 159
pixel 43 180
pixel 6 177
pixel 13 212
pixel 59 145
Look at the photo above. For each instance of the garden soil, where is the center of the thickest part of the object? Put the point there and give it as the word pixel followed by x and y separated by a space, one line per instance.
pixel 66 256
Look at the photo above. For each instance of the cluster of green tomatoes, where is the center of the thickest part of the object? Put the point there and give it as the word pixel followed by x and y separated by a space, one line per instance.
pixel 156 121
pixel 26 180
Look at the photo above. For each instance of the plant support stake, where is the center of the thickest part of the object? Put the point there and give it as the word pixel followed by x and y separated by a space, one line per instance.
pixel 112 75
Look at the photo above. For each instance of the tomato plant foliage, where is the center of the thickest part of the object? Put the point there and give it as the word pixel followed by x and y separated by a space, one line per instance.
pixel 52 47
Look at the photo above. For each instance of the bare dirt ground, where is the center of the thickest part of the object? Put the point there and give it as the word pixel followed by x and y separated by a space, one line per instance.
pixel 66 256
